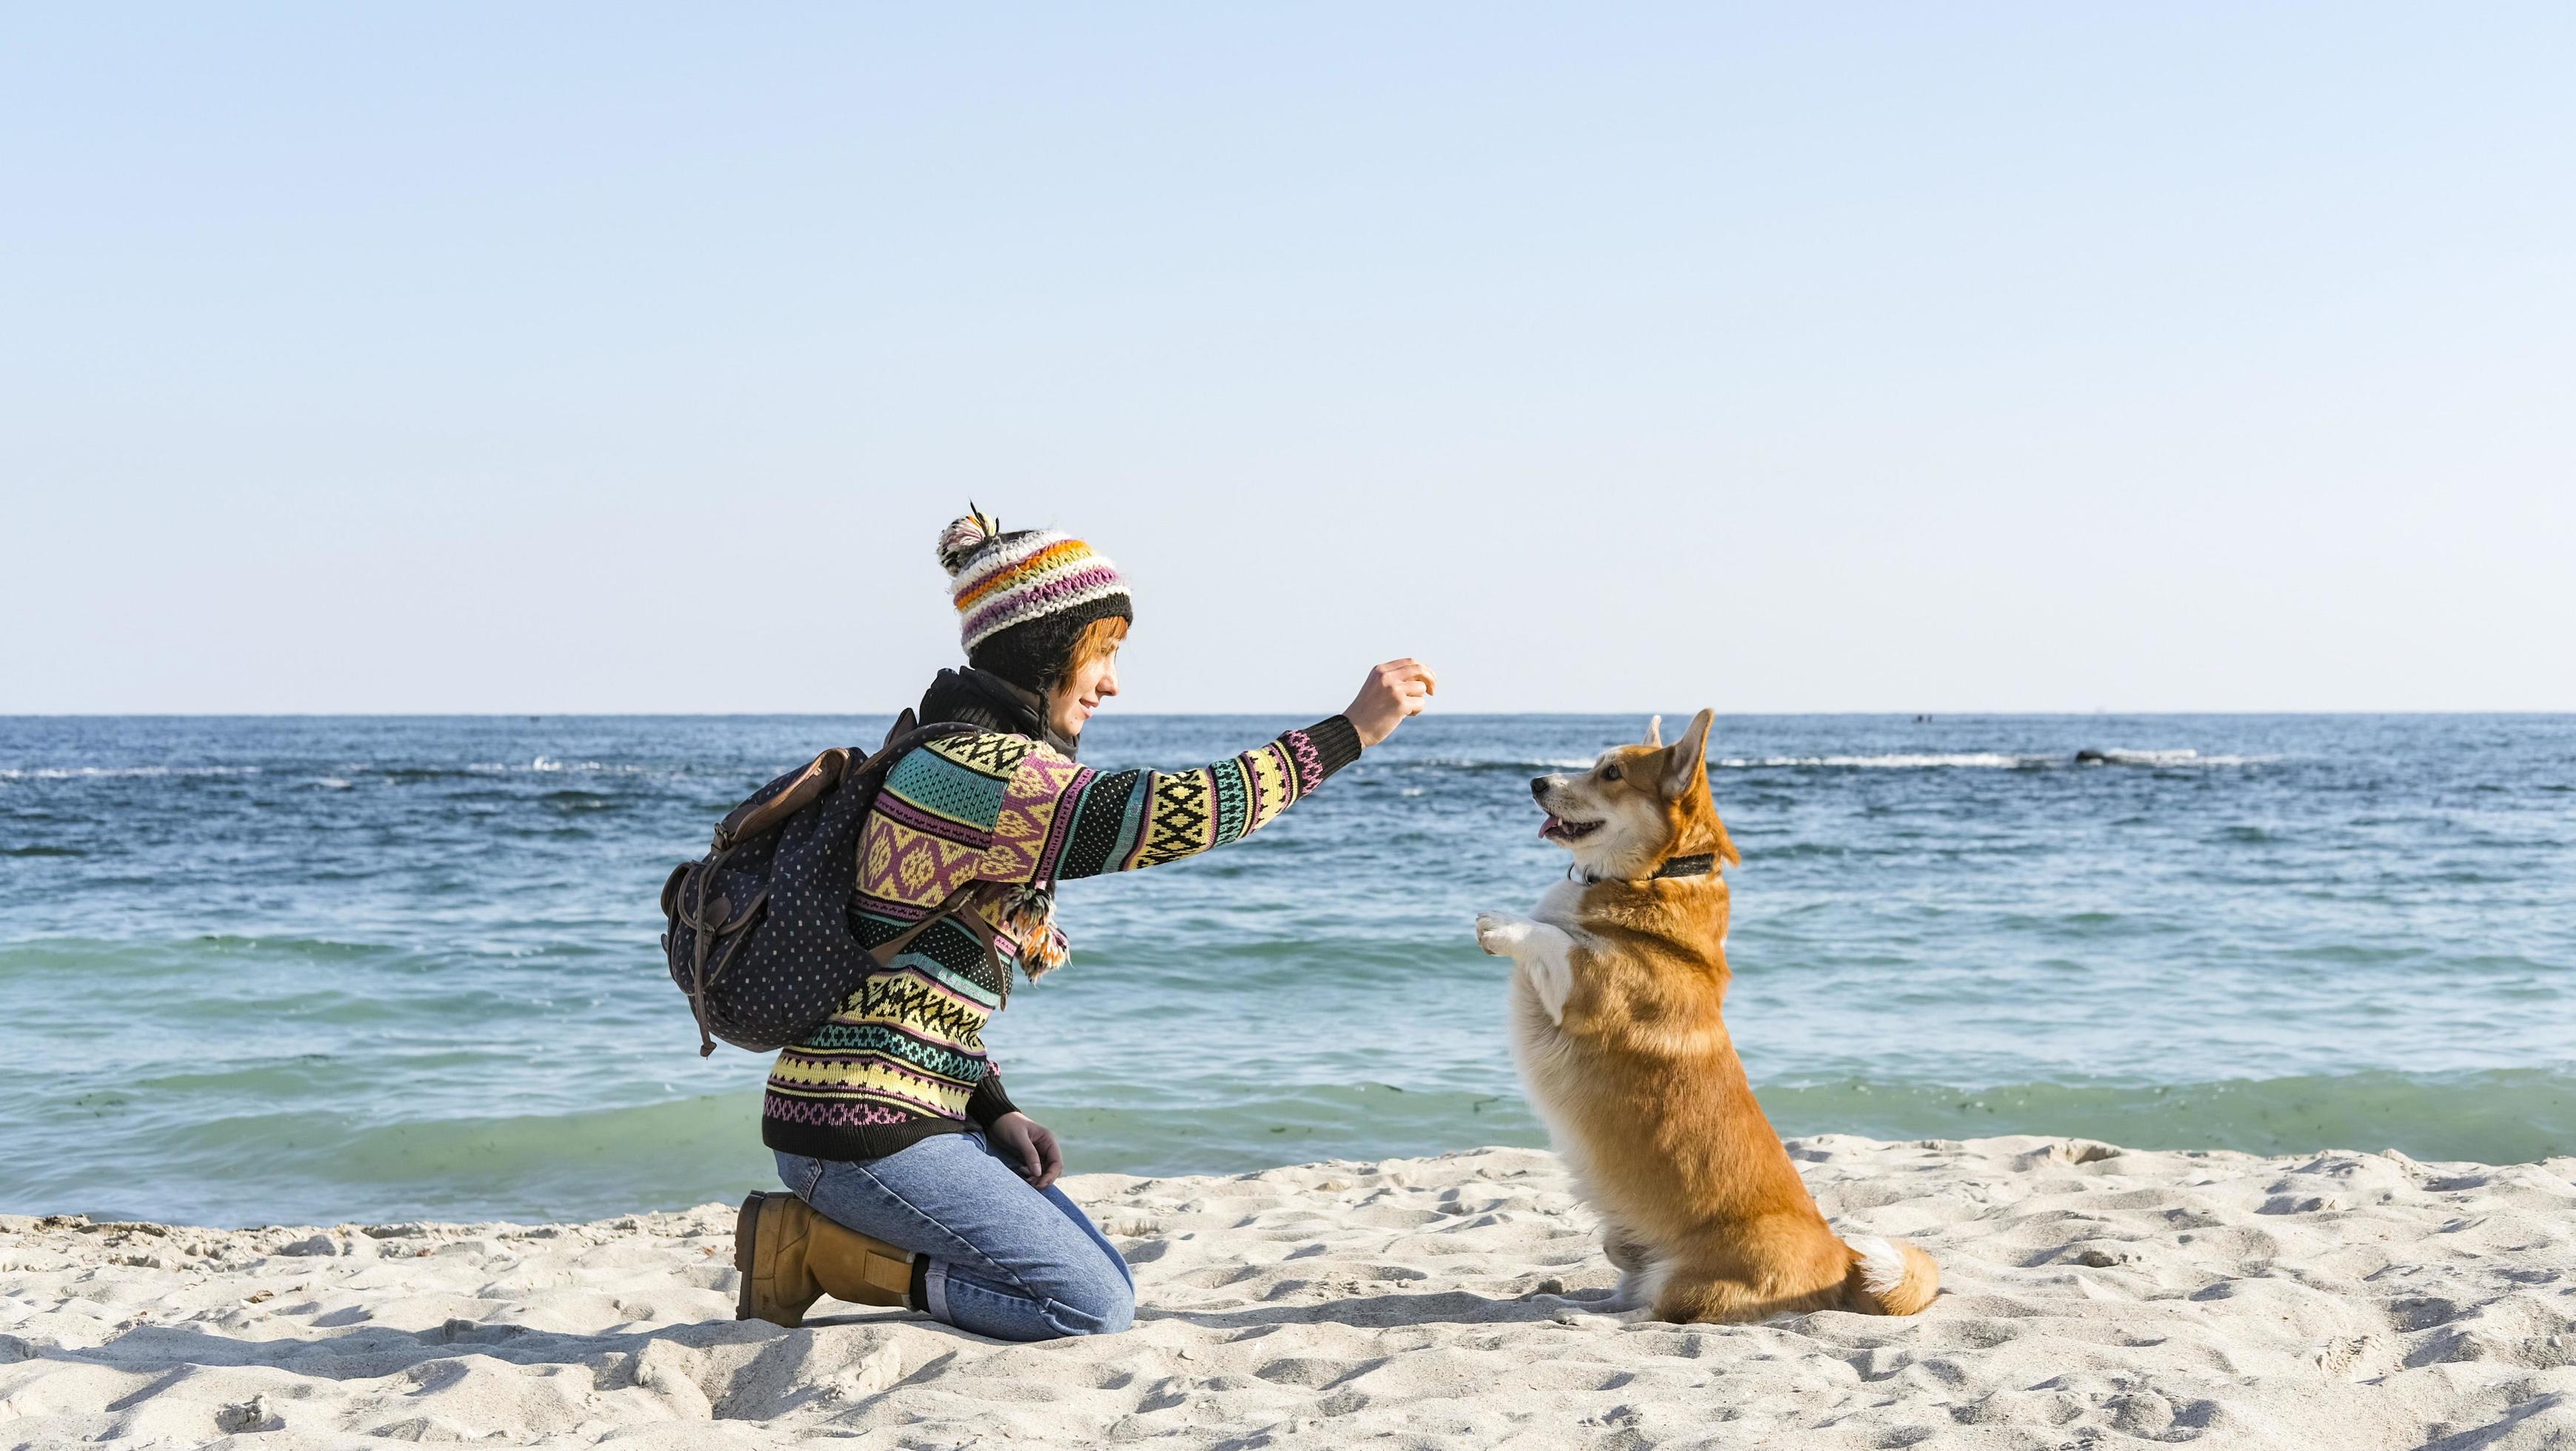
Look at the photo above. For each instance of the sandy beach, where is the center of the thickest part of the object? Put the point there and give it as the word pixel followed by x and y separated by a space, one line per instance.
pixel 2095 1296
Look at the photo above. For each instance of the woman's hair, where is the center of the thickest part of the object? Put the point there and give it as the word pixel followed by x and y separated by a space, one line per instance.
pixel 1098 640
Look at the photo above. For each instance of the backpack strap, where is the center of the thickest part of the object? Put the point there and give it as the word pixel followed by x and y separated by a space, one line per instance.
pixel 961 909
pixel 826 771
pixel 959 904
pixel 752 818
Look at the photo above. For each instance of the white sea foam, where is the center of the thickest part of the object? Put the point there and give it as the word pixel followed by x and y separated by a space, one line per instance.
pixel 75 773
pixel 1965 760
pixel 543 765
pixel 2118 757
pixel 1890 761
pixel 1984 761
pixel 1487 763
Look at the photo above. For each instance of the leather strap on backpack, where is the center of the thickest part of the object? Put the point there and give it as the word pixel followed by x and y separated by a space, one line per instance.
pixel 752 818
pixel 959 904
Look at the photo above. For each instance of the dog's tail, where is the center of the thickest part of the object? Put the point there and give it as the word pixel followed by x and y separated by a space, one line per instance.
pixel 1889 1276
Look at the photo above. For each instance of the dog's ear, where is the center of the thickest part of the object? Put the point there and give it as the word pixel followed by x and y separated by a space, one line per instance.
pixel 1688 757
pixel 1686 786
pixel 1655 730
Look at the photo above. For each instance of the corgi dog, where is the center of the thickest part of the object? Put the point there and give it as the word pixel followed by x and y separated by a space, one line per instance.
pixel 1617 979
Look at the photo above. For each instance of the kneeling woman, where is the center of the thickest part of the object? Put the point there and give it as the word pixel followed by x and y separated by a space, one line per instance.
pixel 916 1182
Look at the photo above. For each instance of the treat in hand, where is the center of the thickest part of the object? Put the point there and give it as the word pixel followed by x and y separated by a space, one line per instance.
pixel 1394 690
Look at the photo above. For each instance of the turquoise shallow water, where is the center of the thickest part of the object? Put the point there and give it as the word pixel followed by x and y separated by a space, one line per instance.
pixel 312 969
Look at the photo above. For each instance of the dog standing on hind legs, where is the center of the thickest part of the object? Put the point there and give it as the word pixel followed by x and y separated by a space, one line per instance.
pixel 1617 981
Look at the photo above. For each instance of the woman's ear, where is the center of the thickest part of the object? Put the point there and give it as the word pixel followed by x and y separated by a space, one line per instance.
pixel 1688 757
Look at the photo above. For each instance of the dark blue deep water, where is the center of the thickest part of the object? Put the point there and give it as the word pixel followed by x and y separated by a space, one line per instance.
pixel 278 970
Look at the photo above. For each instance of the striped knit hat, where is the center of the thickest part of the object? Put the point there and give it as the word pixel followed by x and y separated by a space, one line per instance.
pixel 1022 597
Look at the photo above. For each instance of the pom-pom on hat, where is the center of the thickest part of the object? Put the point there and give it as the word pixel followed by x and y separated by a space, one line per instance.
pixel 1022 597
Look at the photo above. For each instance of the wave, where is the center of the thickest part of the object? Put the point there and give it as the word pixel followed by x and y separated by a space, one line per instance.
pixel 1991 761
pixel 2119 757
pixel 99 961
pixel 78 773
pixel 1474 763
pixel 545 766
pixel 319 1167
pixel 406 775
pixel 324 1167
pixel 541 765
pixel 2495 1116
pixel 1891 761
pixel 1903 761
pixel 348 772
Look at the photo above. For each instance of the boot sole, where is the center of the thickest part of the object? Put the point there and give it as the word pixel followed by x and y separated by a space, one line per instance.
pixel 746 1232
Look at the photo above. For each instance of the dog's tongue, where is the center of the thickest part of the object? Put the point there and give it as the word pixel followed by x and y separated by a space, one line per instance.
pixel 1548 828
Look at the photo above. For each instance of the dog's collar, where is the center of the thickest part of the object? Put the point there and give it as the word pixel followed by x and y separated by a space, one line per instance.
pixel 1680 866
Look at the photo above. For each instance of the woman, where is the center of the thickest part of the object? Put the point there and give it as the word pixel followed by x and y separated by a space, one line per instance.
pixel 916 1182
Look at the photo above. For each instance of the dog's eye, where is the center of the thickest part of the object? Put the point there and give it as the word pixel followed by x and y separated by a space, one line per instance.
pixel 1609 773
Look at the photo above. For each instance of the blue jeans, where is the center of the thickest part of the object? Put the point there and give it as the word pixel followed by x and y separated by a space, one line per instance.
pixel 1006 1261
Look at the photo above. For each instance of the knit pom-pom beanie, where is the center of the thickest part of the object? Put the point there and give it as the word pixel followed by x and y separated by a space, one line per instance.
pixel 963 536
pixel 1024 596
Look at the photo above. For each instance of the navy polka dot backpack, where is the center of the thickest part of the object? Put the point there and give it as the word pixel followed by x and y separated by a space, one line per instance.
pixel 759 933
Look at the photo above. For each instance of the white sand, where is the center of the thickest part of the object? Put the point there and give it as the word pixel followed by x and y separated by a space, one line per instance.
pixel 2095 1298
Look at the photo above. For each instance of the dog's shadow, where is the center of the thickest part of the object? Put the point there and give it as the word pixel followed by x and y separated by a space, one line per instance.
pixel 772 1381
pixel 1394 1311
pixel 767 1371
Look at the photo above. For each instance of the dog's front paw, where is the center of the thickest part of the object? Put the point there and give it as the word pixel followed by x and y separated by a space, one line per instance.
pixel 1499 932
pixel 1599 1320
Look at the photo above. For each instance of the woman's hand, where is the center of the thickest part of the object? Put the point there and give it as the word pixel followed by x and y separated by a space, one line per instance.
pixel 1023 1138
pixel 1397 689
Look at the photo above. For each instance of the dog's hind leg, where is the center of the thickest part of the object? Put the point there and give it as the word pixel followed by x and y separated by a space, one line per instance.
pixel 1638 1275
pixel 1689 1298
pixel 1728 1288
pixel 1623 1248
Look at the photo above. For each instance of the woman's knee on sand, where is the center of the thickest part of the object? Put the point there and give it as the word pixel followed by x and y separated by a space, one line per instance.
pixel 1083 1294
pixel 1003 1259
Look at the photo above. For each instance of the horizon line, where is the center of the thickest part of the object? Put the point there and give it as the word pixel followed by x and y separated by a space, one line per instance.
pixel 1917 716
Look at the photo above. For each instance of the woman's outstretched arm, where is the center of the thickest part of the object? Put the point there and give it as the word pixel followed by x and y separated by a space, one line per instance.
pixel 1060 820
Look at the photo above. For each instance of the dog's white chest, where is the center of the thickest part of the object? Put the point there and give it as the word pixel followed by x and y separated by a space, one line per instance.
pixel 1542 980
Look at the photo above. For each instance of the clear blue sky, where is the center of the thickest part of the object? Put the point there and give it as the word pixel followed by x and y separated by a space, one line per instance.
pixel 1902 357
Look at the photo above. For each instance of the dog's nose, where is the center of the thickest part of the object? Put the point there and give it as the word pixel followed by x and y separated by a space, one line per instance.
pixel 1538 787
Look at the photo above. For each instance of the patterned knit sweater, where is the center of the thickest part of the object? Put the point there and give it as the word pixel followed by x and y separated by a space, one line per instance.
pixel 904 1057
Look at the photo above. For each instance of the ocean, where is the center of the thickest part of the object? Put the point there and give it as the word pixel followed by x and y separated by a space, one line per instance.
pixel 290 970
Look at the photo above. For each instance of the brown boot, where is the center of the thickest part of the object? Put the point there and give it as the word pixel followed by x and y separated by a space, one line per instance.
pixel 790 1257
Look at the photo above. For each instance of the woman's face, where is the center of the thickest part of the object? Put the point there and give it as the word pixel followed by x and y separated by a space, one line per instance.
pixel 1070 705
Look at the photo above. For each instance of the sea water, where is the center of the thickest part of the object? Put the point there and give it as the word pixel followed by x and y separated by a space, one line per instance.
pixel 308 969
